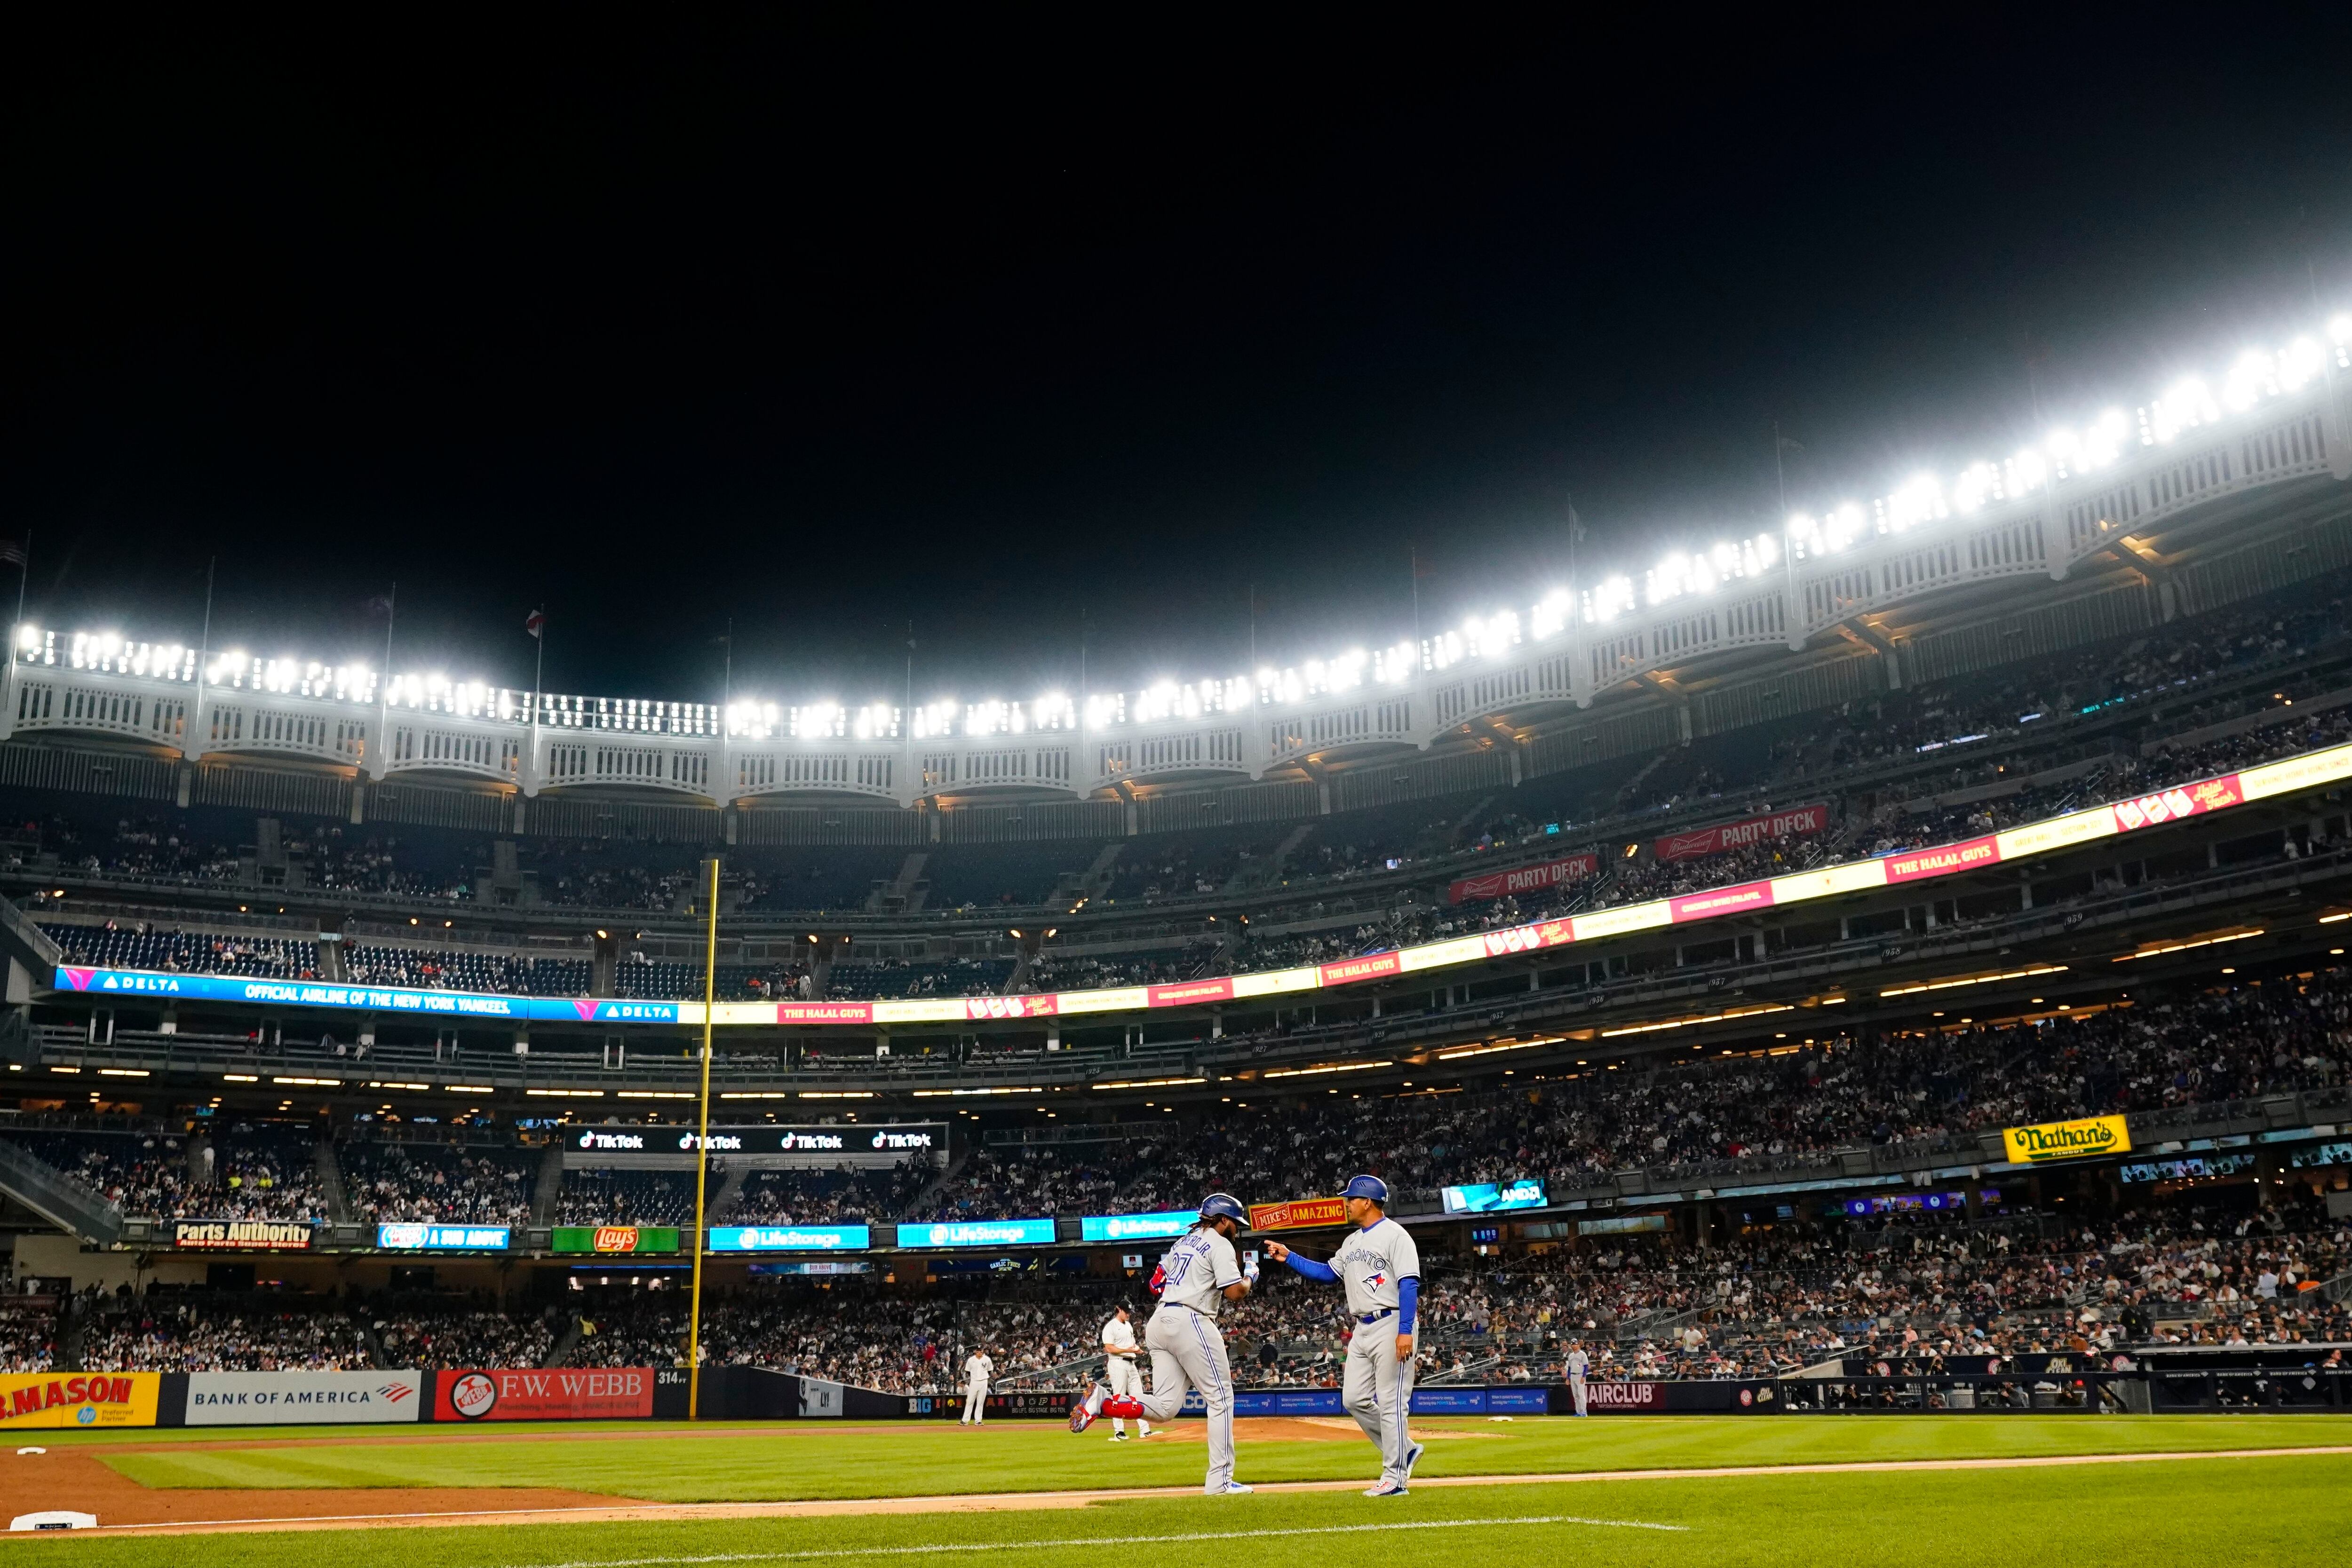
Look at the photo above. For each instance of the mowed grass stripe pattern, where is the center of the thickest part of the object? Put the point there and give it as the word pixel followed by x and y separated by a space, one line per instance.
pixel 2144 1516
pixel 808 1461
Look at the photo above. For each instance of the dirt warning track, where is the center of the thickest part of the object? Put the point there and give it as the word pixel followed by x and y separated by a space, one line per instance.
pixel 125 1507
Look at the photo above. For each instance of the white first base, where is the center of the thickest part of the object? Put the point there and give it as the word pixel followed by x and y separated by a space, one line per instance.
pixel 56 1519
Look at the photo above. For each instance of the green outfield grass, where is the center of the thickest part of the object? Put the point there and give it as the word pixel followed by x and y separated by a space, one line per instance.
pixel 2203 1512
pixel 821 1460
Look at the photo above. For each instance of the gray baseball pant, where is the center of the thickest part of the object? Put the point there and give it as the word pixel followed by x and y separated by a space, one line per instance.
pixel 1378 1392
pixel 1188 1351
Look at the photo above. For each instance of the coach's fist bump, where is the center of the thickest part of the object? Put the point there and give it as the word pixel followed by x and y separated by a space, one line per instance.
pixel 1278 1251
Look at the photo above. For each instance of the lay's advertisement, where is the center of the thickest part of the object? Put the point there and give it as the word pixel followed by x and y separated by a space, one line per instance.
pixel 2067 1140
pixel 80 1399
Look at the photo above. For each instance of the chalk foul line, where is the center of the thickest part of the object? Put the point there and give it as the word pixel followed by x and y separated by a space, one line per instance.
pixel 939 1548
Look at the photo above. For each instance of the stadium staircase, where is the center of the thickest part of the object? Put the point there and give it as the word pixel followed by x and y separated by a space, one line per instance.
pixel 903 893
pixel 920 1203
pixel 330 1173
pixel 1076 886
pixel 56 1197
pixel 546 1197
pixel 731 1190
pixel 560 1352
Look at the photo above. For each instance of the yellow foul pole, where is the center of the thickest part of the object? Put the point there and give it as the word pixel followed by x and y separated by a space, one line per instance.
pixel 702 1150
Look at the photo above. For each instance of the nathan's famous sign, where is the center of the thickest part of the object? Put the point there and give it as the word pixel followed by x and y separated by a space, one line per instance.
pixel 2067 1140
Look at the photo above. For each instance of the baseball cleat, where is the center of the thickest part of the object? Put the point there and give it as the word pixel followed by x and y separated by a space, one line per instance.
pixel 1411 1457
pixel 1089 1405
pixel 1118 1436
pixel 1232 1488
pixel 1386 1488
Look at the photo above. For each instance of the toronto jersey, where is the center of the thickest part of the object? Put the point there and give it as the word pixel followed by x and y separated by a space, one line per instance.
pixel 1196 1270
pixel 1372 1263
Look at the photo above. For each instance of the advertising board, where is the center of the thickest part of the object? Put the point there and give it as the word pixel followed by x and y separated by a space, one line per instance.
pixel 2075 1140
pixel 75 1399
pixel 291 1398
pixel 545 1393
pixel 1299 1214
pixel 790 1238
pixel 1136 1226
pixel 613 1239
pixel 979 1233
pixel 421 1238
pixel 241 1235
pixel 1488 1197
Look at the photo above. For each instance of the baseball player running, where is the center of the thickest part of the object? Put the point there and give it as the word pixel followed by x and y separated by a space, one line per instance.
pixel 977 1367
pixel 1381 1267
pixel 1199 1274
pixel 1122 1372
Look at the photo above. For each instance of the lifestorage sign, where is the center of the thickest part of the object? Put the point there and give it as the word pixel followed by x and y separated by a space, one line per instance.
pixel 2067 1140
pixel 270 1399
pixel 99 1399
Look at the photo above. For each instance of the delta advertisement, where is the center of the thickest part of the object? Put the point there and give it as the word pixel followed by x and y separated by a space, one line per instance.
pixel 241 1235
pixel 100 1399
pixel 1299 1214
pixel 613 1239
pixel 1522 879
pixel 1795 822
pixel 554 1393
pixel 2309 771
pixel 979 1233
pixel 1136 1226
pixel 2067 1140
pixel 272 1398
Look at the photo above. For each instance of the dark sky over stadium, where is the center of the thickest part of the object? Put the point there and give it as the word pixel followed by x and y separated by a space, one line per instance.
pixel 839 319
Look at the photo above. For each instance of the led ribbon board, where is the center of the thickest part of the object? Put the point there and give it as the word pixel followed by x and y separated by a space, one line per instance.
pixel 979 1233
pixel 2048 836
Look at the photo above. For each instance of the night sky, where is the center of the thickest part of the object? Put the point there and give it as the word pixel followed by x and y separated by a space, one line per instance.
pixel 834 322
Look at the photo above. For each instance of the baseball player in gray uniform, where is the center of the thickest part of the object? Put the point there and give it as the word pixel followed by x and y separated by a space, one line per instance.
pixel 1198 1275
pixel 1381 1267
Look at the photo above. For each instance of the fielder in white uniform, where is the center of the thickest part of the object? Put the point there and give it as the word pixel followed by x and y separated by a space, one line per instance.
pixel 977 1367
pixel 1122 1372
pixel 1381 1267
pixel 1577 1364
pixel 1197 1276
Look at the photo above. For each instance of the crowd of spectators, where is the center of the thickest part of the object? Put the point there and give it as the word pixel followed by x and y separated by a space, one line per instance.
pixel 828 1197
pixel 603 1195
pixel 390 1183
pixel 192 1333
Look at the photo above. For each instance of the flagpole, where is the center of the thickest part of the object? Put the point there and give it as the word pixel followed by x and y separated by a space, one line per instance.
pixel 204 655
pixel 1412 566
pixel 17 632
pixel 538 688
pixel 702 1154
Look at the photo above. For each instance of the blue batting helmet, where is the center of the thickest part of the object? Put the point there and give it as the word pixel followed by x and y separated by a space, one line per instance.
pixel 1370 1186
pixel 1223 1206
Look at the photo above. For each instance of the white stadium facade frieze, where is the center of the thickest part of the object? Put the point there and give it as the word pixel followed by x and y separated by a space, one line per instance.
pixel 2129 500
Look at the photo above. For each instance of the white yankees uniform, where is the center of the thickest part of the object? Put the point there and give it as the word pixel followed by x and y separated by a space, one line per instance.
pixel 1188 1349
pixel 1577 1364
pixel 1123 1376
pixel 976 1369
pixel 1378 1388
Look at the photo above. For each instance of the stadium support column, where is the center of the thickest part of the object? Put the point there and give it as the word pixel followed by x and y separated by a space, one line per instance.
pixel 702 1142
pixel 2338 420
